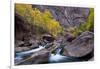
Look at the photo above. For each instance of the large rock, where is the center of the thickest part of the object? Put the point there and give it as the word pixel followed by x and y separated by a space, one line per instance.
pixel 40 57
pixel 82 45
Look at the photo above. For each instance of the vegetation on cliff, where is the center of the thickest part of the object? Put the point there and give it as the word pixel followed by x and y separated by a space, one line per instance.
pixel 87 26
pixel 54 33
pixel 42 21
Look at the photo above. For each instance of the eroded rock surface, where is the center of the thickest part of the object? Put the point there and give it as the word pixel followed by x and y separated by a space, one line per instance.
pixel 82 45
pixel 67 16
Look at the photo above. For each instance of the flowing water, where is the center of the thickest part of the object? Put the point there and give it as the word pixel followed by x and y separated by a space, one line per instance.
pixel 53 58
pixel 31 51
pixel 57 57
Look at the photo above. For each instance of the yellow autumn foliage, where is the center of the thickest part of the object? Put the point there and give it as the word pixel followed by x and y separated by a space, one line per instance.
pixel 42 21
pixel 22 8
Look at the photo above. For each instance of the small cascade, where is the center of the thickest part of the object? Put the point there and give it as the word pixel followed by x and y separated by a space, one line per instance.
pixel 57 57
pixel 30 51
pixel 19 56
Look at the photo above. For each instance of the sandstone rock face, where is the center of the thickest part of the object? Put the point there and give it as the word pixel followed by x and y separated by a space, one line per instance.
pixel 67 16
pixel 82 45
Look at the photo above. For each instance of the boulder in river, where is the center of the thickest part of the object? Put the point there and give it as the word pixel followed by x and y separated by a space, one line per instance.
pixel 41 56
pixel 82 45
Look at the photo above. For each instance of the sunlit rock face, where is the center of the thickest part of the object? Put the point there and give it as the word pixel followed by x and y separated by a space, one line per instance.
pixel 67 16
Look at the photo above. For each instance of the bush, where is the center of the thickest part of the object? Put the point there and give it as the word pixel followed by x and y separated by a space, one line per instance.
pixel 42 21
pixel 87 26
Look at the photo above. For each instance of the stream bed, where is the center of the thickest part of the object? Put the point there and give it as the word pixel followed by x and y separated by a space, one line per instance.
pixel 56 57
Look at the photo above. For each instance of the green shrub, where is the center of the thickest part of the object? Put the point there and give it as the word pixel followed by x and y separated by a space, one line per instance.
pixel 87 26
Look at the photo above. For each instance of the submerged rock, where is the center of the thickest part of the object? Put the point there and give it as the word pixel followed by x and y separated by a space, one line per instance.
pixel 82 45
